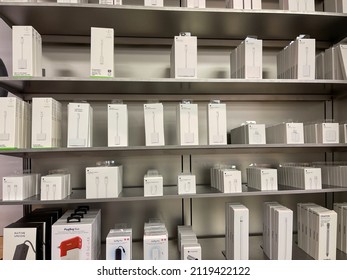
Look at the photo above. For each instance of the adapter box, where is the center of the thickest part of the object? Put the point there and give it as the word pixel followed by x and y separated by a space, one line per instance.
pixel 155 246
pixel 153 185
pixel 154 124
pixel 187 124
pixel 217 124
pixel 186 184
pixel 119 245
pixel 117 125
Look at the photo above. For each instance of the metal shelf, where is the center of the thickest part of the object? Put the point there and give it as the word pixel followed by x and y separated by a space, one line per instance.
pixel 133 88
pixel 166 22
pixel 170 192
pixel 175 150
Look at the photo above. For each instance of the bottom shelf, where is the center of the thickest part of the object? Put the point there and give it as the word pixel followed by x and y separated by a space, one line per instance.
pixel 213 248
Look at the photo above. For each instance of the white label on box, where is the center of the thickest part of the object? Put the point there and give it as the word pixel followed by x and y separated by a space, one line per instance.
pixel 191 252
pixel 188 128
pixel 330 133
pixel 154 124
pixel 117 121
pixel 217 124
pixel 186 184
pixel 256 134
pixel 295 133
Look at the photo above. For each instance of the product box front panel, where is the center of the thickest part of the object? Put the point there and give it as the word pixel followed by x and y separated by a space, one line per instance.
pixel 155 247
pixel 154 124
pixel 118 247
pixel 117 122
pixel 188 127
pixel 217 124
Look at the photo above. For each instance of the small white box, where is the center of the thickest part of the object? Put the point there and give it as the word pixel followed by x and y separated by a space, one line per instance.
pixel 283 238
pixel 155 246
pixel 230 181
pixel 118 2
pixel 343 133
pixel 234 4
pixel 119 245
pixel 154 124
pixel 217 124
pixel 55 186
pixel 10 122
pixel 191 252
pixel 328 133
pixel 154 3
pixel 187 124
pixel 104 181
pixel 153 184
pixel 117 123
pixel 306 59
pixel 194 3
pixel 186 184
pixel 16 187
pixel 80 125
pixel 102 52
pixel 256 5
pixel 184 56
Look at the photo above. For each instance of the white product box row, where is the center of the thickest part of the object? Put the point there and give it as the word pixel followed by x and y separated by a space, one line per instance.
pixel 317 231
pixel 297 60
pixel 262 178
pixel 341 210
pixel 188 244
pixel 301 177
pixel 55 186
pixel 333 174
pixel 277 231
pixel 236 232
pixel 20 187
pixel 298 6
pixel 226 179
pixel 155 241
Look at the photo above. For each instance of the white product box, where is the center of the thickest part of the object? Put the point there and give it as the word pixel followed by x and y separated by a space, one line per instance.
pixel 191 252
pixel 187 124
pixel 343 133
pixel 104 181
pixel 234 4
pixel 338 208
pixel 102 52
pixel 76 239
pixel 238 235
pixel 264 179
pixel 306 59
pixel 180 230
pixel 298 6
pixel 16 187
pixel 155 246
pixel 342 54
pixel 10 122
pixel 106 2
pixel 250 133
pixel 154 3
pixel 268 227
pixel 217 124
pixel 154 124
pixel 153 184
pixel 46 123
pixel 328 133
pixel 80 125
pixel 285 133
pixel 26 51
pixel 230 181
pixel 194 3
pixel 55 186
pixel 117 125
pixel 184 57
pixel 283 237
pixel 320 68
pixel 186 184
pixel 256 5
pixel 73 1
pixel 342 6
pixel 119 245
pixel 335 6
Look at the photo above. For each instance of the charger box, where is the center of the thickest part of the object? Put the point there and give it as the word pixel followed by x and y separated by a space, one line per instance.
pixel 106 2
pixel 104 181
pixel 217 124
pixel 119 244
pixel 251 133
pixel 153 185
pixel 322 133
pixel 194 3
pixel 285 133
pixel 117 125
pixel 102 49
pixel 154 3
pixel 154 124
pixel 339 208
pixel 46 123
pixel 80 125
pixel 184 57
pixel 187 124
pixel 186 184
pixel 261 178
pixel 237 232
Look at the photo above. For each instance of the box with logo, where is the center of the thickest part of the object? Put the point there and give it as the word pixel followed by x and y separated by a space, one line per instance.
pixel 249 133
pixel 119 244
pixel 191 252
pixel 187 124
pixel 285 133
pixel 117 125
pixel 19 187
pixel 155 242
pixel 186 184
pixel 217 124
pixel 55 186
pixel 154 3
pixel 262 178
pixel 153 184
pixel 154 124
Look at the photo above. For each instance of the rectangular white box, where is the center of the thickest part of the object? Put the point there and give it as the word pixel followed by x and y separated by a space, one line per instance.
pixel 106 2
pixel 306 59
pixel 46 123
pixel 80 125
pixel 102 52
pixel 338 208
pixel 267 227
pixel 104 181
pixel 55 187
pixel 154 124
pixel 230 181
pixel 154 3
pixel 184 55
pixel 10 122
pixel 253 58
pixel 194 3
pixel 283 239
pixel 118 2
pixel 155 247
pixel 191 252
pixel 117 123
pixel 328 133
pixel 217 124
pixel 186 184
pixel 342 54
pixel 153 185
pixel 256 5
pixel 187 124
pixel 16 187
pixel 119 245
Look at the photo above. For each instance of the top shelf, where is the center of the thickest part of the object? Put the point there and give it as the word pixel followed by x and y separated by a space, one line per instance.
pixel 166 22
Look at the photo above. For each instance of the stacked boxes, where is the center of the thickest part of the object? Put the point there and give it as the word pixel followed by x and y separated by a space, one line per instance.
pixel 194 3
pixel 55 186
pixel 333 174
pixel 117 125
pixel 119 244
pixel 341 210
pixel 249 133
pixel 226 179
pixel 188 244
pixel 236 232
pixel 297 60
pixel 155 242
pixel 246 61
pixel 46 123
pixel 277 231
pixel 26 52
pixel 217 123
pixel 187 124
pixel 20 187
pixel 262 178
pixel 335 6
pixel 15 123
pixel 154 124
pixel 322 133
pixel 285 133
pixel 317 231
pixel 298 6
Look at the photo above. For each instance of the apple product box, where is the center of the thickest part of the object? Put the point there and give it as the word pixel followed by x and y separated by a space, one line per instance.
pixel 102 52
pixel 117 124
pixel 186 184
pixel 252 58
pixel 328 133
pixel 17 187
pixel 10 122
pixel 153 185
pixel 119 244
pixel 104 181
pixel 154 3
pixel 184 55
pixel 194 3
pixel 217 124
pixel 55 186
pixel 154 124
pixel 230 181
pixel 187 124
pixel 343 133
pixel 306 59
pixel 106 2
pixel 80 125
